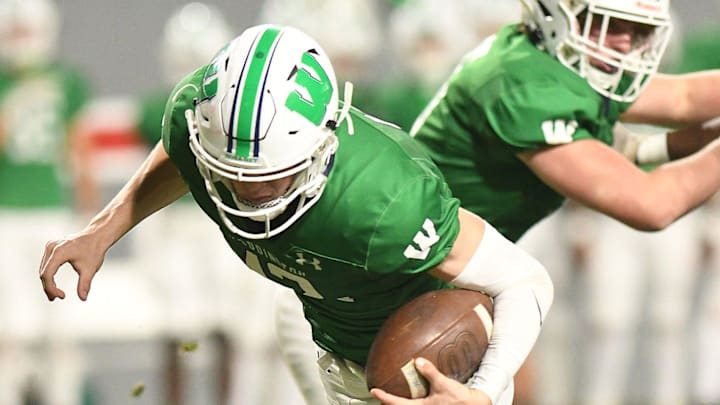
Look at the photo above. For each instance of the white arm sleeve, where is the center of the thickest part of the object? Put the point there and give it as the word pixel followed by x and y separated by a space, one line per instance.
pixel 522 293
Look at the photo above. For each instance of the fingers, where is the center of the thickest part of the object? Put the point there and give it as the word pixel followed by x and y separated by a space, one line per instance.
pixel 428 370
pixel 48 267
pixel 83 288
pixel 387 399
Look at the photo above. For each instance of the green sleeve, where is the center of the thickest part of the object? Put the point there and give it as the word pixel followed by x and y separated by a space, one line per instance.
pixel 536 116
pixel 417 229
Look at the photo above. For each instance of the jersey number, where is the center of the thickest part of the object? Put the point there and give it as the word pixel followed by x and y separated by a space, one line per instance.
pixel 307 288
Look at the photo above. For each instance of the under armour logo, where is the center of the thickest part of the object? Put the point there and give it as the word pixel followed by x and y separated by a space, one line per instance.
pixel 301 261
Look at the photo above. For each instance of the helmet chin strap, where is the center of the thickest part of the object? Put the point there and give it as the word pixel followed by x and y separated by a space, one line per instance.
pixel 345 111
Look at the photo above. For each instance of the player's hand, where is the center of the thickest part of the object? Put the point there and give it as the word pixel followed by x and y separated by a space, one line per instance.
pixel 85 254
pixel 443 390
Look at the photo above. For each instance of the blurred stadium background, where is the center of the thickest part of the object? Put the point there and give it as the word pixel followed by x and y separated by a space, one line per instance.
pixel 172 319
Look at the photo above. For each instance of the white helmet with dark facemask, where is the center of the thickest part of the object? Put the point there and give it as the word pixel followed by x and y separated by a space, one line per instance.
pixel 267 111
pixel 563 27
pixel 29 33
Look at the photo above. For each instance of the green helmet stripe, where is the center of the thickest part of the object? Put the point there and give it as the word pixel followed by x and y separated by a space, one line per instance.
pixel 250 94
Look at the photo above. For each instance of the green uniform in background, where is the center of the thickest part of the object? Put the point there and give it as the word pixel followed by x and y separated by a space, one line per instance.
pixel 700 51
pixel 507 98
pixel 385 218
pixel 152 107
pixel 36 107
pixel 398 101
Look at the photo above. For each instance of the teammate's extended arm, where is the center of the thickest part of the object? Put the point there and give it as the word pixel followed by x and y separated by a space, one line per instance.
pixel 156 184
pixel 677 101
pixel 688 102
pixel 599 177
pixel 658 148
pixel 481 259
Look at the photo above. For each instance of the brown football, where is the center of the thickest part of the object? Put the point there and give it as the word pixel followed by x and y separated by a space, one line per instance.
pixel 450 328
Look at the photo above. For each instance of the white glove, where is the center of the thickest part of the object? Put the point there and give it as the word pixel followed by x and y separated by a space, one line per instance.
pixel 640 148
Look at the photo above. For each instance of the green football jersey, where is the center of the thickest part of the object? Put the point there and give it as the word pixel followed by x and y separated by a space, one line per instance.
pixel 35 110
pixel 386 217
pixel 507 97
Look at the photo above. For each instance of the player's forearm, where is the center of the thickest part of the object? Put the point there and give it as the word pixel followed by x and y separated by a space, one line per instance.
pixel 154 185
pixel 701 95
pixel 676 101
pixel 677 187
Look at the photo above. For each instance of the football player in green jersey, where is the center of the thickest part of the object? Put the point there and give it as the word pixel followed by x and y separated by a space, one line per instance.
pixel 526 120
pixel 39 97
pixel 341 207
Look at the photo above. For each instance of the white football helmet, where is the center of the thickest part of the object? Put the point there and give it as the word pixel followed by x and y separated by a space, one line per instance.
pixel 191 36
pixel 29 31
pixel 268 109
pixel 562 28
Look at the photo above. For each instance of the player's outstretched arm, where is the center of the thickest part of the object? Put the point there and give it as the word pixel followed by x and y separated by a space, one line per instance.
pixel 604 180
pixel 443 390
pixel 662 147
pixel 677 101
pixel 156 184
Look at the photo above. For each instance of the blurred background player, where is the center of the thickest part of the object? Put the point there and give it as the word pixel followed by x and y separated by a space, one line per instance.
pixel 39 97
pixel 425 40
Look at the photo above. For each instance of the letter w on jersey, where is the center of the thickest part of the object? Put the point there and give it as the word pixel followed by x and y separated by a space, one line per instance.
pixel 424 241
pixel 558 131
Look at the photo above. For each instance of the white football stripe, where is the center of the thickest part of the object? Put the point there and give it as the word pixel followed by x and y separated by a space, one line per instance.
pixel 485 318
pixel 416 383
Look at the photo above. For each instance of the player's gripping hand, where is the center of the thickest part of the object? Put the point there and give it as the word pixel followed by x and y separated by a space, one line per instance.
pixel 83 251
pixel 443 390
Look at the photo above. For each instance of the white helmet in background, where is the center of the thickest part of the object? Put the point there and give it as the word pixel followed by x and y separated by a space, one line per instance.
pixel 485 17
pixel 29 32
pixel 428 37
pixel 562 28
pixel 267 111
pixel 192 35
pixel 349 30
